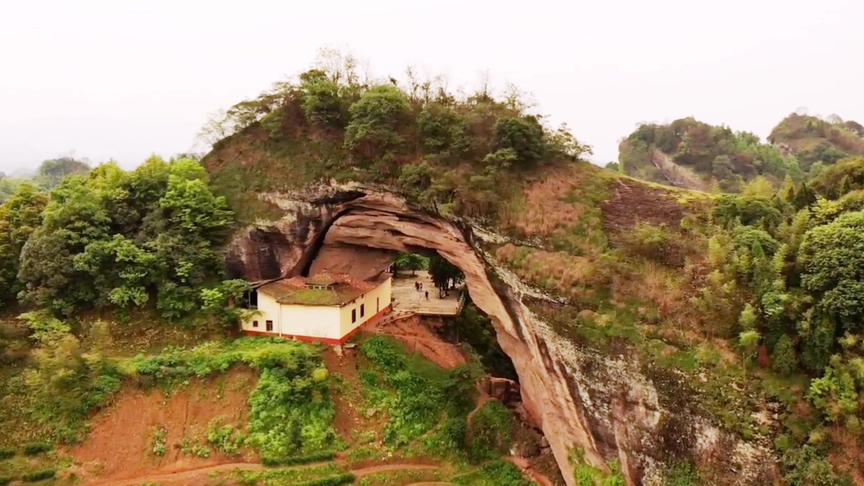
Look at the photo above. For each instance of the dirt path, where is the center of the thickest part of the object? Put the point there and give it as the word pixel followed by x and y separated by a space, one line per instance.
pixel 202 475
pixel 365 471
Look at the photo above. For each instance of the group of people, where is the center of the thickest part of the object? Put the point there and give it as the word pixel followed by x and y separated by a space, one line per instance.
pixel 418 286
pixel 442 292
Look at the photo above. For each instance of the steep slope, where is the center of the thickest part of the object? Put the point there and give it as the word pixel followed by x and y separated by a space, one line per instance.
pixel 695 155
pixel 609 410
pixel 815 140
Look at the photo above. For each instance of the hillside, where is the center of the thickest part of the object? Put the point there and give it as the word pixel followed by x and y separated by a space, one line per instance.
pixel 691 154
pixel 657 335
pixel 813 140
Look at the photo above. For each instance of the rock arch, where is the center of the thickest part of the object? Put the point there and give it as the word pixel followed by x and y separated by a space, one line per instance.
pixel 605 407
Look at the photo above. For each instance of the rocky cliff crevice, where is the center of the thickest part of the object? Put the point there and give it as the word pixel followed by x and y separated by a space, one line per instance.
pixel 604 407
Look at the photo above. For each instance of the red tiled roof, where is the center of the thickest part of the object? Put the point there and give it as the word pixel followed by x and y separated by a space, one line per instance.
pixel 340 289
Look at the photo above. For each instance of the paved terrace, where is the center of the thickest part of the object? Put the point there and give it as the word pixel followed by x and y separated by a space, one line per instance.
pixel 408 299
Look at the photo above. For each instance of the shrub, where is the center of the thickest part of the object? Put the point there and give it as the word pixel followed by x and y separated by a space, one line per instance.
pixel 785 360
pixel 805 467
pixel 301 459
pixel 159 447
pixel 682 474
pixel 4 480
pixel 42 475
pixel 491 431
pixel 36 448
pixel 648 241
pixel 377 120
pixel 224 438
pixel 524 135
pixel 6 454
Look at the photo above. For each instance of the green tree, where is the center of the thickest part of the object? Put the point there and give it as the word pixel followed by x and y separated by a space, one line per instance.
pixel 442 129
pixel 444 273
pixel 832 256
pixel 410 261
pixel 52 172
pixel 19 218
pixel 784 358
pixel 377 122
pixel 524 136
pixel 323 100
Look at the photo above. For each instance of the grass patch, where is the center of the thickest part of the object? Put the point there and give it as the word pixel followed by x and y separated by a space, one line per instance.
pixel 490 431
pixel 419 398
pixel 495 473
pixel 397 478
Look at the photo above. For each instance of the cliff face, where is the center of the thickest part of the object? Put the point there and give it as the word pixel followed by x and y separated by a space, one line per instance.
pixel 606 408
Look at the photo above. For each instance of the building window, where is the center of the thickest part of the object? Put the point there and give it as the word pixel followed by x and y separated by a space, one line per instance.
pixel 377 304
pixel 269 325
pixel 353 316
pixel 362 310
pixel 254 323
pixel 250 299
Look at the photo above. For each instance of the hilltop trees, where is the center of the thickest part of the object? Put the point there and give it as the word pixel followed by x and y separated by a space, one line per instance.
pixel 460 154
pixel 378 121
pixel 715 154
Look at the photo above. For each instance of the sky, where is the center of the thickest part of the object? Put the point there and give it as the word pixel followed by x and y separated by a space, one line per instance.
pixel 122 80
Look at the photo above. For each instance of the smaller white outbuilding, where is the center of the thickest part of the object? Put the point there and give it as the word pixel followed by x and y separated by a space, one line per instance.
pixel 325 308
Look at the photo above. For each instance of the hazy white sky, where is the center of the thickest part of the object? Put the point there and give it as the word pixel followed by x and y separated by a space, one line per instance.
pixel 124 79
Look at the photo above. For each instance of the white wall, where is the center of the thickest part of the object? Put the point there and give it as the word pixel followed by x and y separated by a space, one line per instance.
pixel 317 321
pixel 268 308
pixel 311 321
pixel 383 295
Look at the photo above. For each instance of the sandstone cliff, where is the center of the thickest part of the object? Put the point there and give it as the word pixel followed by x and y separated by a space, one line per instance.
pixel 608 408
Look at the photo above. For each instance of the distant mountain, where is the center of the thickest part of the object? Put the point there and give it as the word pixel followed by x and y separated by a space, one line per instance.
pixel 815 140
pixel 695 155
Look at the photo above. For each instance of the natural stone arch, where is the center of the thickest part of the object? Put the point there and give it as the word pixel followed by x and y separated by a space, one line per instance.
pixel 604 406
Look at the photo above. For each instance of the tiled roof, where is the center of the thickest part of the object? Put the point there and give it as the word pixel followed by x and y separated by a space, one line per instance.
pixel 340 290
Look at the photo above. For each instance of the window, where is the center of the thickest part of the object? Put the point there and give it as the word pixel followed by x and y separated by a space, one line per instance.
pixel 353 316
pixel 254 323
pixel 362 310
pixel 377 304
pixel 269 325
pixel 250 299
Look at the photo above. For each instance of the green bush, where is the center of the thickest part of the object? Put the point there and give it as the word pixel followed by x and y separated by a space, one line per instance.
pixel 648 241
pixel 415 394
pixel 36 448
pixel 160 446
pixel 224 438
pixel 42 475
pixel 806 467
pixel 4 480
pixel 491 431
pixel 6 454
pixel 303 459
pixel 378 119
pixel 784 358
pixel 524 136
pixel 682 474
pixel 497 473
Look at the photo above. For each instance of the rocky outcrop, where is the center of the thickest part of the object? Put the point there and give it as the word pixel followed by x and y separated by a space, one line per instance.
pixel 605 407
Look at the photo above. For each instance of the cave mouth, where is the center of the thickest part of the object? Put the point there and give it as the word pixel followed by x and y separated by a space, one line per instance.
pixel 461 322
